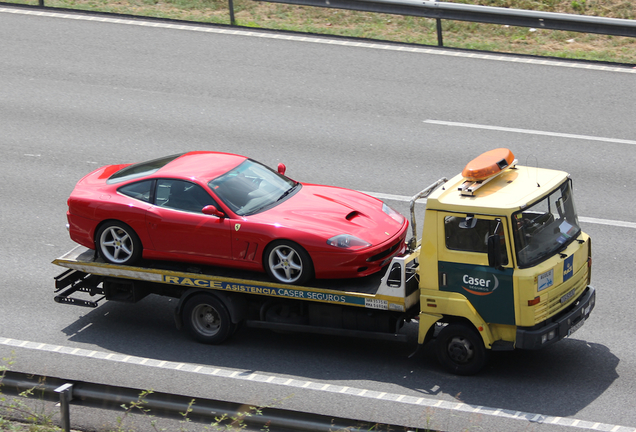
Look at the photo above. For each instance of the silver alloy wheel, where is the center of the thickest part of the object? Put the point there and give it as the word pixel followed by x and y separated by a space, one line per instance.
pixel 206 320
pixel 116 245
pixel 285 263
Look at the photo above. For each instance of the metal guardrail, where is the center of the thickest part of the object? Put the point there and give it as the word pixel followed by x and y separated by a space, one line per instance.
pixel 72 392
pixel 472 13
pixel 482 14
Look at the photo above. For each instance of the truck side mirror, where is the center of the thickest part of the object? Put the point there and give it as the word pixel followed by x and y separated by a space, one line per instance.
pixel 469 223
pixel 494 251
pixel 213 211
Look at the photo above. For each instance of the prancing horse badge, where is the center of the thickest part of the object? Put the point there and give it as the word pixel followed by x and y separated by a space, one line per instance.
pixel 237 227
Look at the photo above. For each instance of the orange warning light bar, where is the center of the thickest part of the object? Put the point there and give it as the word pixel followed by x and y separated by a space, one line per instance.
pixel 488 164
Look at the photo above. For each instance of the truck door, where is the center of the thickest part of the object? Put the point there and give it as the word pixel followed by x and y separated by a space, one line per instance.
pixel 463 264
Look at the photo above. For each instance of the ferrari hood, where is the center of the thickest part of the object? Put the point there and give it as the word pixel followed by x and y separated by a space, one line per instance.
pixel 328 211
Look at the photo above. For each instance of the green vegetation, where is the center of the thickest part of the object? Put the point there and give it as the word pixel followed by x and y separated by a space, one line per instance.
pixel 17 415
pixel 224 422
pixel 488 37
pixel 32 418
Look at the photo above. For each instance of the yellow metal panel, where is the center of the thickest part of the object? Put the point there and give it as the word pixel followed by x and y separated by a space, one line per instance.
pixel 428 252
pixel 503 332
pixel 504 193
pixel 426 322
pixel 434 302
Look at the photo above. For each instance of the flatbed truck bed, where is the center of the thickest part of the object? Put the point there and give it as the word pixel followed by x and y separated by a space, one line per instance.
pixel 376 306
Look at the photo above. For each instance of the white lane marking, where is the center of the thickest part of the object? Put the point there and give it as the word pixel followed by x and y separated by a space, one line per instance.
pixel 529 131
pixel 622 224
pixel 289 382
pixel 390 197
pixel 237 31
pixel 384 196
pixel 403 198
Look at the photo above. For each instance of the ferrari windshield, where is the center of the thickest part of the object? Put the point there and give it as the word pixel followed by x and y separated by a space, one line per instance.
pixel 546 227
pixel 252 187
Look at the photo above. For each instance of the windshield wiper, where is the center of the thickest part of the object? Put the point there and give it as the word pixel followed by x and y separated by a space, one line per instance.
pixel 287 192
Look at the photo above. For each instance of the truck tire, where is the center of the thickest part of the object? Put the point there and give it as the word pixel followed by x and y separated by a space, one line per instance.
pixel 207 320
pixel 461 349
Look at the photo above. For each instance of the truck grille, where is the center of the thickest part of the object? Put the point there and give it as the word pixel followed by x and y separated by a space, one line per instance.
pixel 553 305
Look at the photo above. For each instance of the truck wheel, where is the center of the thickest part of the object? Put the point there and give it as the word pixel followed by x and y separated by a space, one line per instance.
pixel 118 243
pixel 461 349
pixel 207 319
pixel 287 262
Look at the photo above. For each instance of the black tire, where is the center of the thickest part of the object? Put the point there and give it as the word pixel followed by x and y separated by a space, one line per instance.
pixel 207 320
pixel 287 262
pixel 461 349
pixel 117 243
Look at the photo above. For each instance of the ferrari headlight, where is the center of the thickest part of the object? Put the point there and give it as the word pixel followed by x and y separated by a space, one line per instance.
pixel 347 241
pixel 394 215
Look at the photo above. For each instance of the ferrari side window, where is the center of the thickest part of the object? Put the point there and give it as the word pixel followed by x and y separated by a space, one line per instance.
pixel 140 190
pixel 182 195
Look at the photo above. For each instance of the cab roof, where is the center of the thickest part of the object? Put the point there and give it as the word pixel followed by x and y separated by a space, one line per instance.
pixel 512 190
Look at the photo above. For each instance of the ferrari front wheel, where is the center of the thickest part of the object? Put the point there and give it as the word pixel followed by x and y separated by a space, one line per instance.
pixel 118 243
pixel 287 262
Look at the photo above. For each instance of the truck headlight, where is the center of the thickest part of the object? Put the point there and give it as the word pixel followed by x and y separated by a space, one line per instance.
pixel 548 336
pixel 348 241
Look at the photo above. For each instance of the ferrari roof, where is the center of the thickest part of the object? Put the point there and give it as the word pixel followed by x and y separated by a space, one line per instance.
pixel 203 165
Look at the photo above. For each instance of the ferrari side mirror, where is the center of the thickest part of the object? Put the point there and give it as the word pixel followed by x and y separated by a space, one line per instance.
pixel 213 211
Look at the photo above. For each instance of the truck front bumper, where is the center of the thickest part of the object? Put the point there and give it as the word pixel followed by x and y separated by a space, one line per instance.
pixel 561 326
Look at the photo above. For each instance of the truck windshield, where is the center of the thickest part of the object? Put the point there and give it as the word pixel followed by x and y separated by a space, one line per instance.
pixel 546 227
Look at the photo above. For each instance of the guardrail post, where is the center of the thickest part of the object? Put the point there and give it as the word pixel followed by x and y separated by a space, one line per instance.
pixel 230 4
pixel 66 394
pixel 440 39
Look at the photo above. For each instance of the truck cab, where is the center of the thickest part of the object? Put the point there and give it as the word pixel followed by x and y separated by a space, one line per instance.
pixel 503 261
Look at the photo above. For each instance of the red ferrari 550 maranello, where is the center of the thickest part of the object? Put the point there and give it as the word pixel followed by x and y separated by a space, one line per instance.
pixel 227 210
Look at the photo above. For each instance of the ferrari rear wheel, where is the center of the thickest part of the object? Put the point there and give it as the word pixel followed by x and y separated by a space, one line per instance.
pixel 287 262
pixel 118 243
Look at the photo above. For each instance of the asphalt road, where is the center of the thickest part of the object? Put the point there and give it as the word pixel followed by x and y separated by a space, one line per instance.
pixel 76 94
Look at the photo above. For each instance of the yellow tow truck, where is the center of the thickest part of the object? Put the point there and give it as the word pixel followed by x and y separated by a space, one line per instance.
pixel 501 264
